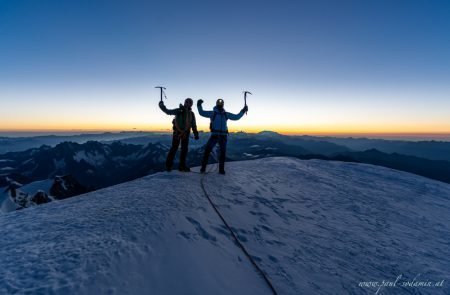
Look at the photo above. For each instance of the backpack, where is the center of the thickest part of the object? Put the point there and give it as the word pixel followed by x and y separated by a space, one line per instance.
pixel 187 123
pixel 214 117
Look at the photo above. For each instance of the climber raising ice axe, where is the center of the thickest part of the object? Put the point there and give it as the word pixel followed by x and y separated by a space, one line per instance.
pixel 219 130
pixel 183 122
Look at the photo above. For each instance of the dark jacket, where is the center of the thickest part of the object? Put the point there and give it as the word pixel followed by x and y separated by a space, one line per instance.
pixel 184 119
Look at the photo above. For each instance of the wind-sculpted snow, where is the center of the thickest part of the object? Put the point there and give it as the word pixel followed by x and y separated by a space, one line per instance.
pixel 315 227
pixel 321 227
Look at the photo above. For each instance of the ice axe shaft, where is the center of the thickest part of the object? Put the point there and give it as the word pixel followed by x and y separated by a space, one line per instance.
pixel 162 90
pixel 245 98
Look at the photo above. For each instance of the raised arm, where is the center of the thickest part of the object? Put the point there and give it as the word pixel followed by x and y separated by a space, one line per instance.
pixel 167 111
pixel 236 117
pixel 201 112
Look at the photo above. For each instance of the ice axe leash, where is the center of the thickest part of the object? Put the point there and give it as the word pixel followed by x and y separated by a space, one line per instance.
pixel 245 98
pixel 162 92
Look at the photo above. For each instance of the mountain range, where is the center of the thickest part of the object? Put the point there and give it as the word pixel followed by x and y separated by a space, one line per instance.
pixel 94 165
pixel 428 149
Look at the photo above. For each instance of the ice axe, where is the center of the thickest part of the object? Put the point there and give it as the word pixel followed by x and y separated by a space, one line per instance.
pixel 162 91
pixel 245 98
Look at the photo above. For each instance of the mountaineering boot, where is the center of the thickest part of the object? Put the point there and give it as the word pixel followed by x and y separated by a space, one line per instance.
pixel 222 168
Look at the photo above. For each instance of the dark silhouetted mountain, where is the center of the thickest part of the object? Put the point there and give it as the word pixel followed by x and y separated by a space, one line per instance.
pixel 40 198
pixel 269 134
pixel 433 150
pixel 434 169
pixel 93 164
pixel 65 187
pixel 15 144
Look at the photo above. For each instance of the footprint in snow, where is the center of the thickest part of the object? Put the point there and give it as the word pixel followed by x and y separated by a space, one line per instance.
pixel 221 230
pixel 200 230
pixel 185 235
pixel 272 258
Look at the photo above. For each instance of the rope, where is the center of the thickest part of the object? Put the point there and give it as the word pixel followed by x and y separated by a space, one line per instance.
pixel 235 238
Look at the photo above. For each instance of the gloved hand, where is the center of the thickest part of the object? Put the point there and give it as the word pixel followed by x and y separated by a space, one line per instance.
pixel 196 137
pixel 161 103
pixel 245 109
pixel 199 102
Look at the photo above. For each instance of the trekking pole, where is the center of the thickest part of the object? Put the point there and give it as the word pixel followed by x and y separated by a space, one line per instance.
pixel 245 98
pixel 162 91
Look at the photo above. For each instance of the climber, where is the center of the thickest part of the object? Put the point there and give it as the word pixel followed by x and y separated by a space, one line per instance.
pixel 182 123
pixel 219 131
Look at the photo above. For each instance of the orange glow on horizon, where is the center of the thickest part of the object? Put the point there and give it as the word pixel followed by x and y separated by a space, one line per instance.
pixel 253 129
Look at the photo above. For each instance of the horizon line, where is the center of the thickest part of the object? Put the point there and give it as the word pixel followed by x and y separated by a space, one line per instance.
pixel 317 133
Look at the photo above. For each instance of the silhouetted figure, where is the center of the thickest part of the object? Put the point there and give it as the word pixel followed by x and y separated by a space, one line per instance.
pixel 182 123
pixel 219 131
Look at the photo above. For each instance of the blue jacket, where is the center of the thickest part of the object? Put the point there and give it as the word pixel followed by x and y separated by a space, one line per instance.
pixel 219 124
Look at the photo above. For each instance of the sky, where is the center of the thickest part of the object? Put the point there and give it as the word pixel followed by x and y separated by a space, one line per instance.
pixel 314 67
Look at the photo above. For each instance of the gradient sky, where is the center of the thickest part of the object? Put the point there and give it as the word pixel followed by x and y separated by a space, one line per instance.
pixel 313 66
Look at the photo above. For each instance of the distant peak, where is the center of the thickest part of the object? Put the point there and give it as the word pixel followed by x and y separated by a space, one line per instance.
pixel 270 133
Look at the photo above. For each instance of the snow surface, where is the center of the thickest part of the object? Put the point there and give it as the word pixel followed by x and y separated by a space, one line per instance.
pixel 41 185
pixel 6 204
pixel 315 227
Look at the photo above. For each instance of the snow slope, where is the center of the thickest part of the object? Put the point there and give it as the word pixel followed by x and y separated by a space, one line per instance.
pixel 6 204
pixel 34 187
pixel 315 227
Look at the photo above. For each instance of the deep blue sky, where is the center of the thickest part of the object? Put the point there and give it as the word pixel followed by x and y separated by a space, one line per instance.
pixel 315 66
